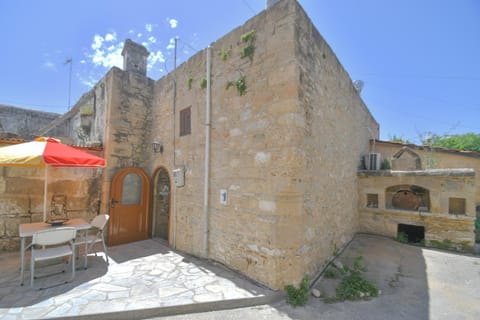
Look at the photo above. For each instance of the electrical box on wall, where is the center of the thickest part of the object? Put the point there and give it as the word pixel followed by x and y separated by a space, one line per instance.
pixel 179 177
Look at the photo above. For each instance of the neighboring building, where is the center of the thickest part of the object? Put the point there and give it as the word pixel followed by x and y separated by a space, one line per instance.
pixel 248 153
pixel 431 195
pixel 23 123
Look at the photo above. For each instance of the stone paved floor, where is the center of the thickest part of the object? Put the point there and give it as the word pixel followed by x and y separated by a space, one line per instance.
pixel 141 275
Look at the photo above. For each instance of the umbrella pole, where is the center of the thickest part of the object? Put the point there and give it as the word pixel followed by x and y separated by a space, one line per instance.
pixel 45 187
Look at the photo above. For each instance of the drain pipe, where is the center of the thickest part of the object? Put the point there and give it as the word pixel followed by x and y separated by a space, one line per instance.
pixel 207 156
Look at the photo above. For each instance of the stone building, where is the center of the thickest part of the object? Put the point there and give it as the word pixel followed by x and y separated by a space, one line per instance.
pixel 23 123
pixel 431 195
pixel 248 153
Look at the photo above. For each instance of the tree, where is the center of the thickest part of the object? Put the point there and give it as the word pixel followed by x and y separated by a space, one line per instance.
pixel 468 141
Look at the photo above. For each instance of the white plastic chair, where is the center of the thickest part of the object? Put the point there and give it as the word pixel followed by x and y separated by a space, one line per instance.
pixel 94 236
pixel 56 243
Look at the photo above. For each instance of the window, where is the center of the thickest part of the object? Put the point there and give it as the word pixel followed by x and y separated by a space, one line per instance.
pixel 185 121
pixel 372 200
pixel 132 189
pixel 456 206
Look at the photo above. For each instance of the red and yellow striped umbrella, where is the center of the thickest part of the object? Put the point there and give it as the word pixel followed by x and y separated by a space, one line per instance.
pixel 44 152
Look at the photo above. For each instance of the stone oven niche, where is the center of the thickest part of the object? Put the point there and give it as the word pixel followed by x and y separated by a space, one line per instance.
pixel 407 197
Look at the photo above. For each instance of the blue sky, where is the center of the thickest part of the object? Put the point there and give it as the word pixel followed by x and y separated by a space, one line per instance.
pixel 419 60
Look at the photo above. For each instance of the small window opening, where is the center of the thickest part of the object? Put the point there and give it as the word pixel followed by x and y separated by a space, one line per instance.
pixel 185 121
pixel 414 234
pixel 456 206
pixel 372 200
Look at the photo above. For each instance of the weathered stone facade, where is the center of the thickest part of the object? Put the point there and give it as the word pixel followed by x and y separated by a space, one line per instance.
pixel 23 123
pixel 447 176
pixel 286 151
pixel 284 136
pixel 21 196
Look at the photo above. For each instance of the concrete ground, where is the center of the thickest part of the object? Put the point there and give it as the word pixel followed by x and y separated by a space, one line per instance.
pixel 144 279
pixel 416 283
pixel 147 280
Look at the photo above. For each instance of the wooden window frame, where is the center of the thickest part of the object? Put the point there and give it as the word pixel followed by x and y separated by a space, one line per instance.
pixel 185 121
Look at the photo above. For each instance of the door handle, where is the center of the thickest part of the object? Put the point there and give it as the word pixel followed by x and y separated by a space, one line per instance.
pixel 112 203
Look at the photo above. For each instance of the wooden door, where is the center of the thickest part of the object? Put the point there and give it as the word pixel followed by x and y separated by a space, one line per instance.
pixel 129 200
pixel 161 205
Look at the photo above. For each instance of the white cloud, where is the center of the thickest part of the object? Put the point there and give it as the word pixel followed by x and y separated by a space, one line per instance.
pixel 49 65
pixel 83 61
pixel 111 37
pixel 149 27
pixel 105 55
pixel 139 35
pixel 152 39
pixel 171 44
pixel 97 42
pixel 173 23
pixel 154 58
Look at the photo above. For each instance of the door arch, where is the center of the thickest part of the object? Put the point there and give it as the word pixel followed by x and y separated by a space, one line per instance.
pixel 129 204
pixel 161 204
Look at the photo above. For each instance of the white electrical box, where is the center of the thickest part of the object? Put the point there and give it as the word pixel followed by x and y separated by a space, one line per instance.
pixel 223 196
pixel 179 177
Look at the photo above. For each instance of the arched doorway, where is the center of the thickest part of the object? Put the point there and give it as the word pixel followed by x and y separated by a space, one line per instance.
pixel 161 205
pixel 129 204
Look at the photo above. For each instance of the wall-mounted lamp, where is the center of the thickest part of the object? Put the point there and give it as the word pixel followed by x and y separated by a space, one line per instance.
pixel 157 147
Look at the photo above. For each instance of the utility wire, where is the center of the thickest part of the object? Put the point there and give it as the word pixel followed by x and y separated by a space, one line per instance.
pixel 248 6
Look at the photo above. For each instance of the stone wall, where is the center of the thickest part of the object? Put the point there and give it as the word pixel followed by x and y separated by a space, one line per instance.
pixel 23 123
pixel 128 110
pixel 437 158
pixel 21 196
pixel 337 127
pixel 85 123
pixel 286 151
pixel 439 224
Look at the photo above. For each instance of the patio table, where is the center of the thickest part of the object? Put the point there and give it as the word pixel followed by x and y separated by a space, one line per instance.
pixel 26 230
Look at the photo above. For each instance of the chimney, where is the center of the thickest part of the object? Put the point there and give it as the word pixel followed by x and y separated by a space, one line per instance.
pixel 135 57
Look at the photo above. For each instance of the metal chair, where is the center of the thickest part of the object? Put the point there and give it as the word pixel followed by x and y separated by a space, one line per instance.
pixel 56 243
pixel 94 235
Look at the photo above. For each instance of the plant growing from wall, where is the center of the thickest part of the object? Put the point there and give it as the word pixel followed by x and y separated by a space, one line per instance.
pixel 224 53
pixel 298 296
pixel 189 83
pixel 86 110
pixel 248 50
pixel 240 84
pixel 203 83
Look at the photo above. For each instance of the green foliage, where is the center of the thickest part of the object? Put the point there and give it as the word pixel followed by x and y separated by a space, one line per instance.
pixel 298 296
pixel 241 85
pixel 477 230
pixel 402 237
pixel 189 83
pixel 332 273
pixel 203 83
pixel 224 53
pixel 249 50
pixel 399 139
pixel 354 286
pixel 386 164
pixel 445 244
pixel 86 110
pixel 248 37
pixel 468 141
